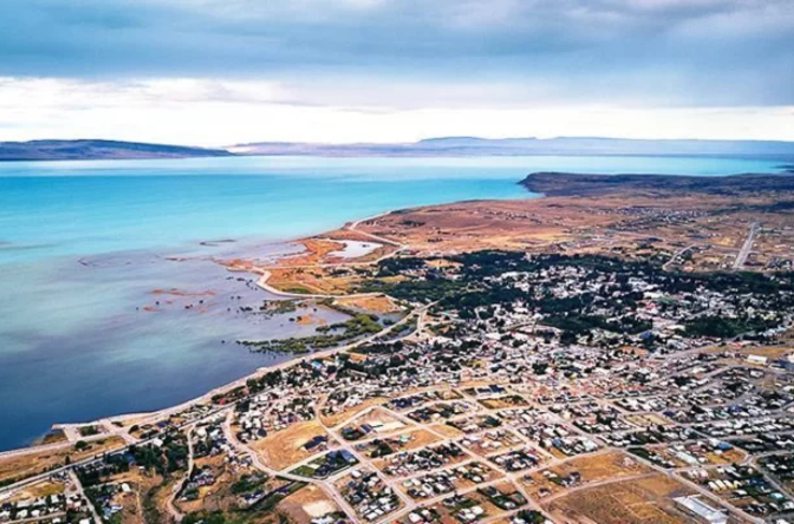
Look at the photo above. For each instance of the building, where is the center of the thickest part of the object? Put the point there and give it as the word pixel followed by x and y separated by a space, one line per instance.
pixel 700 509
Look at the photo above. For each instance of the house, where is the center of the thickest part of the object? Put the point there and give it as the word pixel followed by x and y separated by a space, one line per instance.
pixel 705 513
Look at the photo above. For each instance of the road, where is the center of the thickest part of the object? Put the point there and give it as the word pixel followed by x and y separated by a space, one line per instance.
pixel 79 487
pixel 256 461
pixel 177 515
pixel 676 255
pixel 207 396
pixel 326 485
pixel 744 252
pixel 266 273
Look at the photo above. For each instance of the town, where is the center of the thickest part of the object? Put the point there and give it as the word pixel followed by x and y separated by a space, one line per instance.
pixel 502 386
pixel 528 386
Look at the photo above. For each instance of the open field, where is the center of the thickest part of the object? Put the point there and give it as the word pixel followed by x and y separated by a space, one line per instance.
pixel 23 465
pixel 640 501
pixel 698 231
pixel 628 224
pixel 284 448
pixel 336 418
pixel 704 229
pixel 306 504
pixel 39 489
pixel 373 304
pixel 592 469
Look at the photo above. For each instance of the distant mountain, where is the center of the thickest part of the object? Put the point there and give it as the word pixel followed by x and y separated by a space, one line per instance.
pixel 575 184
pixel 98 149
pixel 473 146
pixel 431 147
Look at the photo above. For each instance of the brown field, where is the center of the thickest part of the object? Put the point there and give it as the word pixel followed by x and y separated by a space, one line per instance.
pixel 771 352
pixel 446 430
pixel 159 495
pixel 19 467
pixel 380 416
pixel 418 438
pixel 638 501
pixel 732 456
pixel 309 502
pixel 132 512
pixel 284 448
pixel 308 280
pixel 609 465
pixel 615 224
pixel 374 304
pixel 316 269
pixel 338 418
pixel 315 252
pixel 55 436
pixel 311 320
pixel 478 225
pixel 44 488
pixel 507 401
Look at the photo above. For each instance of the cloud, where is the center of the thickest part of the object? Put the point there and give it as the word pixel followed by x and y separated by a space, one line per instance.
pixel 694 52
pixel 105 67
pixel 217 113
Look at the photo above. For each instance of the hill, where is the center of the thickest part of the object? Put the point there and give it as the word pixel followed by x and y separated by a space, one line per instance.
pixel 473 146
pixel 574 184
pixel 98 149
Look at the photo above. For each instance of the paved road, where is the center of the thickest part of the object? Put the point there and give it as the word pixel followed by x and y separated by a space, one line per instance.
pixel 266 274
pixel 79 486
pixel 674 258
pixel 334 495
pixel 409 505
pixel 206 397
pixel 744 252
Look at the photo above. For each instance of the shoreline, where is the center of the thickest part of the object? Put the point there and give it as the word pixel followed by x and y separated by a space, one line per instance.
pixel 515 320
pixel 269 249
pixel 261 282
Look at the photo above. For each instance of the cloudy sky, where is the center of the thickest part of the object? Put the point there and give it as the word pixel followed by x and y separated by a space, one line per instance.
pixel 218 72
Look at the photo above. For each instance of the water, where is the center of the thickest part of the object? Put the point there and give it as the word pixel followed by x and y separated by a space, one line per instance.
pixel 83 245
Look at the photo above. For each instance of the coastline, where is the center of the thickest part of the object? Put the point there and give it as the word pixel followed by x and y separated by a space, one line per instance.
pixel 554 240
pixel 262 282
pixel 98 336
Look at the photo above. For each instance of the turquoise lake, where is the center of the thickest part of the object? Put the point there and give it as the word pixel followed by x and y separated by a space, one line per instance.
pixel 84 246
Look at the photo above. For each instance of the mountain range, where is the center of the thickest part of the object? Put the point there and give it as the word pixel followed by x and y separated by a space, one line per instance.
pixel 98 150
pixel 473 146
pixel 90 149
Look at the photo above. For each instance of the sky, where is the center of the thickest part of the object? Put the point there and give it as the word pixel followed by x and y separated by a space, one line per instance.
pixel 222 72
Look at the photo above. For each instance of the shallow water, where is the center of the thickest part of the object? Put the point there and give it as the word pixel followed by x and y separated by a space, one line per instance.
pixel 84 246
